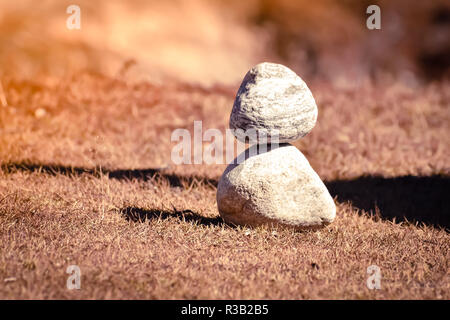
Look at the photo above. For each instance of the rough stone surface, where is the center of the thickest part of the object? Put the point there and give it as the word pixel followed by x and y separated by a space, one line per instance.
pixel 272 99
pixel 277 187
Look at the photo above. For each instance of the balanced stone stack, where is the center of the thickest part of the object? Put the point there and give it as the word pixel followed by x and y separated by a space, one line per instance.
pixel 274 184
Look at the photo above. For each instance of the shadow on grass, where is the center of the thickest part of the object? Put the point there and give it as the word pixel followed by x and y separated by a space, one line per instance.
pixel 412 198
pixel 141 215
pixel 121 174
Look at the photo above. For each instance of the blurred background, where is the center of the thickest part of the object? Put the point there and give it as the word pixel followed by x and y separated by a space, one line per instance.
pixel 216 42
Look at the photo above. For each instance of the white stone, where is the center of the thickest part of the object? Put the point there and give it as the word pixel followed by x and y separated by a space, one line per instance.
pixel 273 100
pixel 277 187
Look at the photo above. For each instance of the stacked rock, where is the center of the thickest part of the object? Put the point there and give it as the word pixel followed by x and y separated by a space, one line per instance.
pixel 274 184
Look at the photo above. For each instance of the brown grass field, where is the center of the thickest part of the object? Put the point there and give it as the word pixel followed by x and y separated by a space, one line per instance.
pixel 87 179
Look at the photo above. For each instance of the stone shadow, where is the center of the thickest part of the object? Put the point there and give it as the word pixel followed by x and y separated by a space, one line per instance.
pixel 412 198
pixel 141 215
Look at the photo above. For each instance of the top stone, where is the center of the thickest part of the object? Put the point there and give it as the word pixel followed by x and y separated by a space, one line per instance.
pixel 272 103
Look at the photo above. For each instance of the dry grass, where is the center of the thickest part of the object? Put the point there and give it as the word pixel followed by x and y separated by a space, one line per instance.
pixel 86 179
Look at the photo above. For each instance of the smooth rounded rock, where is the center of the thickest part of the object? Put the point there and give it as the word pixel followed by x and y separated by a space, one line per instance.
pixel 277 187
pixel 274 101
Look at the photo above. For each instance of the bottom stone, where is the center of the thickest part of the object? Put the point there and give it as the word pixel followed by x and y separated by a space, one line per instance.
pixel 275 187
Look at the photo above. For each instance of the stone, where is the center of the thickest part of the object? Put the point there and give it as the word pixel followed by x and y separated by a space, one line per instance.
pixel 276 187
pixel 273 100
